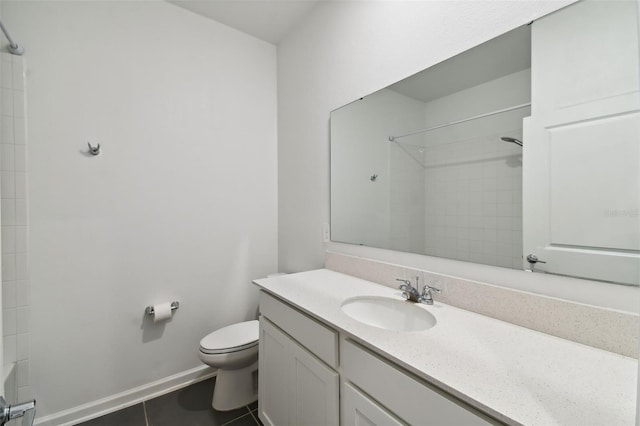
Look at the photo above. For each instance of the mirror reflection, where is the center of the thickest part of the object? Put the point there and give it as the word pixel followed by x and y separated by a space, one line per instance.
pixel 522 152
pixel 433 163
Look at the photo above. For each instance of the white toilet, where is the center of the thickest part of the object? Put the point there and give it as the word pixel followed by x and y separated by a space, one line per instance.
pixel 233 350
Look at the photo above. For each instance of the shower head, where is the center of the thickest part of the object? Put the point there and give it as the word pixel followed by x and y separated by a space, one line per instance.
pixel 13 47
pixel 512 140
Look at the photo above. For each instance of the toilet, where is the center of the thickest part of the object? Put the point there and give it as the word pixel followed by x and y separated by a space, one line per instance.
pixel 233 350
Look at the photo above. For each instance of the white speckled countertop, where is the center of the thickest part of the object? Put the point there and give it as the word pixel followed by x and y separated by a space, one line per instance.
pixel 514 374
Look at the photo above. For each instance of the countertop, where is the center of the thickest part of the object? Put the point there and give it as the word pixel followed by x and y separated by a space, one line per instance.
pixel 514 374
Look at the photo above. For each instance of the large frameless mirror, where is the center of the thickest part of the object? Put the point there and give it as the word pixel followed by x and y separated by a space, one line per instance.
pixel 444 163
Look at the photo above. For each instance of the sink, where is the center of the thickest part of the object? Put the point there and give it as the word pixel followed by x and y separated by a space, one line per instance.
pixel 388 314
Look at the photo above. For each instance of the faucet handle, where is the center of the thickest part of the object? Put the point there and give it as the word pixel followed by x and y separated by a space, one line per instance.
pixel 427 288
pixel 406 287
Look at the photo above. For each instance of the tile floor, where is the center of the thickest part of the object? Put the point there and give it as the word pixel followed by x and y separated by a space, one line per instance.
pixel 190 406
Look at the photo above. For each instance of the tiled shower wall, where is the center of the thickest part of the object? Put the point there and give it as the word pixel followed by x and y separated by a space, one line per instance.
pixel 15 277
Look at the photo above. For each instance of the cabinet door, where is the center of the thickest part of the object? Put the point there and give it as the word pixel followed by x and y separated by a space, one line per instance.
pixel 581 150
pixel 273 375
pixel 313 390
pixel 359 410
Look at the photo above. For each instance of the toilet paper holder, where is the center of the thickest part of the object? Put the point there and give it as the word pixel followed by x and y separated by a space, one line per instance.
pixel 150 311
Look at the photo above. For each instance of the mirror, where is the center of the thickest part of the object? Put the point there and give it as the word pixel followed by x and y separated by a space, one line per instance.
pixel 453 191
pixel 433 164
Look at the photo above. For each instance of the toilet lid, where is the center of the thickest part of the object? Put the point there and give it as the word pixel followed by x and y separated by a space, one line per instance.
pixel 231 338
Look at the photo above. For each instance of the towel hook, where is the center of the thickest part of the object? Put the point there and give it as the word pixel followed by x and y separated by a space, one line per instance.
pixel 94 150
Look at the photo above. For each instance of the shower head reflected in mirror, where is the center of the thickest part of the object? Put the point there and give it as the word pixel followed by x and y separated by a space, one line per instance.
pixel 512 140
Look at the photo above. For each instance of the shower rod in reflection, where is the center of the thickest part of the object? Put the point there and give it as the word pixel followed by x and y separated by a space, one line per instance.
pixel 13 47
pixel 488 114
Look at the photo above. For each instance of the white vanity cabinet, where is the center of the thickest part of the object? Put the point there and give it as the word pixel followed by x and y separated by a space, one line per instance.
pixel 388 396
pixel 302 383
pixel 296 386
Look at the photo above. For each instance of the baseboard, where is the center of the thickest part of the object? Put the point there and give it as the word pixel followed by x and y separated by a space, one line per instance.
pixel 125 399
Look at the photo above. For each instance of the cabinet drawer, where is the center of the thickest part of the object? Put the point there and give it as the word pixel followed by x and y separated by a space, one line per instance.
pixel 416 403
pixel 321 340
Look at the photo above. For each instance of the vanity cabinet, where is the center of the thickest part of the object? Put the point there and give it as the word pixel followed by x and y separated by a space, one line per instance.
pixel 296 386
pixel 301 381
pixel 405 398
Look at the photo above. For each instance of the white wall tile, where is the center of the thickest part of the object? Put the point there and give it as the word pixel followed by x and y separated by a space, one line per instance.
pixel 11 388
pixel 6 75
pixel 8 239
pixel 9 321
pixel 6 103
pixel 10 348
pixel 21 211
pixel 18 104
pixel 18 75
pixel 8 156
pixel 20 179
pixel 21 242
pixel 25 393
pixel 22 348
pixel 19 131
pixel 22 266
pixel 7 131
pixel 8 186
pixel 9 299
pixel 22 319
pixel 22 293
pixel 8 267
pixel 20 158
pixel 23 373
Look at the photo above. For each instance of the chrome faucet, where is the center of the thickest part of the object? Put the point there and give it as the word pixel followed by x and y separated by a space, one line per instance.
pixel 412 294
pixel 409 292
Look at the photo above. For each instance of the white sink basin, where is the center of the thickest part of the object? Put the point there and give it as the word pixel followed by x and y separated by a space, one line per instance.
pixel 388 314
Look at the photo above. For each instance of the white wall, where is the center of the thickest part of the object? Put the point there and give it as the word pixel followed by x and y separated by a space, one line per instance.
pixel 345 50
pixel 181 204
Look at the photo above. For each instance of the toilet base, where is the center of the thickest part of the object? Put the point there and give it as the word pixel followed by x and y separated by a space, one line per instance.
pixel 235 388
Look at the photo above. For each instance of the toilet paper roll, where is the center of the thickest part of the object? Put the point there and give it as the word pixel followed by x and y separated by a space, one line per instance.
pixel 161 312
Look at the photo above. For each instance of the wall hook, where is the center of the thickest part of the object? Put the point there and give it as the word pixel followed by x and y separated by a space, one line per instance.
pixel 373 178
pixel 94 150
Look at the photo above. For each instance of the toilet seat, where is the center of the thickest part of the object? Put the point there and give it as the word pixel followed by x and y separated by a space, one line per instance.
pixel 233 338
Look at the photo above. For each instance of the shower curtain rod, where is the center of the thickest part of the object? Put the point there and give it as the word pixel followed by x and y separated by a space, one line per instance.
pixel 13 48
pixel 488 114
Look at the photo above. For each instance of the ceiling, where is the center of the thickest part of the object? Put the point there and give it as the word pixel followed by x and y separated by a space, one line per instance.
pixel 269 20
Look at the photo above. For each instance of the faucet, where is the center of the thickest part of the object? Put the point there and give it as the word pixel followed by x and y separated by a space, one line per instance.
pixel 412 294
pixel 409 292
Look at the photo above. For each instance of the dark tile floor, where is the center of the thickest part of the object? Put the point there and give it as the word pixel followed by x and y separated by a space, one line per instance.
pixel 190 406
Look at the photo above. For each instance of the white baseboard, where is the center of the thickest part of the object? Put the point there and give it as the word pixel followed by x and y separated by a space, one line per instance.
pixel 125 399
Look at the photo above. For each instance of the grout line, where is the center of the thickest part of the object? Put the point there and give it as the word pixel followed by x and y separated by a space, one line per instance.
pixel 144 408
pixel 254 416
pixel 237 418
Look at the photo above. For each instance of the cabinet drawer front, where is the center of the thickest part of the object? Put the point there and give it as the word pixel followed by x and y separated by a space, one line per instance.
pixel 414 401
pixel 315 336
